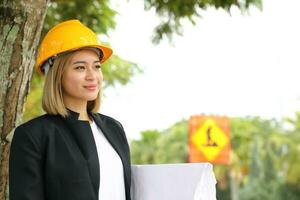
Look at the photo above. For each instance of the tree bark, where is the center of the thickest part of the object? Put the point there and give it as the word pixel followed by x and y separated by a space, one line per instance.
pixel 21 23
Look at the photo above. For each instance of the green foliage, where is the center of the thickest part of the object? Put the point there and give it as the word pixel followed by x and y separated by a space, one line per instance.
pixel 117 70
pixel 291 151
pixel 157 147
pixel 264 181
pixel 143 151
pixel 264 157
pixel 290 191
pixel 96 14
pixel 250 133
pixel 173 12
pixel 259 189
pixel 33 106
pixel 174 141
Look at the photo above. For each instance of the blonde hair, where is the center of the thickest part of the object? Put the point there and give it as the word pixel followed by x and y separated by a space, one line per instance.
pixel 52 100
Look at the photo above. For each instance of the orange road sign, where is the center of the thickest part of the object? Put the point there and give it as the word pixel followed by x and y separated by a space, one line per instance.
pixel 209 139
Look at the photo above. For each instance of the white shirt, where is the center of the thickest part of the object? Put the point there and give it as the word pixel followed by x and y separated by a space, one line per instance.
pixel 112 185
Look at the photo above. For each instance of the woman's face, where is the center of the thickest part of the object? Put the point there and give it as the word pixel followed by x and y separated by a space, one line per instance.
pixel 82 78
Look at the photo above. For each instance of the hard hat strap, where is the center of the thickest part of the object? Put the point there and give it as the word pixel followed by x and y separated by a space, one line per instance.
pixel 47 65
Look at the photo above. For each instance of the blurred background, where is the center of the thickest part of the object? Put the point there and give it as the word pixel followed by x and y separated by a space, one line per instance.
pixel 177 59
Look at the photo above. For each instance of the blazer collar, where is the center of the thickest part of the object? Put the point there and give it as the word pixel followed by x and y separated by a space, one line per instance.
pixel 72 116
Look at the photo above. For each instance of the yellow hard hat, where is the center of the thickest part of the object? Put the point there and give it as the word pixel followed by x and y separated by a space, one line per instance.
pixel 67 36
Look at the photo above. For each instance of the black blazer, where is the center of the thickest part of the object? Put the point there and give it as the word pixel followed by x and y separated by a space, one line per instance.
pixel 55 158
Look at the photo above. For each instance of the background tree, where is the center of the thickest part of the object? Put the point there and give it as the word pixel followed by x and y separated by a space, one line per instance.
pixel 21 23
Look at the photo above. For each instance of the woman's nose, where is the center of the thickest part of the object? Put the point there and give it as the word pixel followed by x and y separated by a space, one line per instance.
pixel 90 74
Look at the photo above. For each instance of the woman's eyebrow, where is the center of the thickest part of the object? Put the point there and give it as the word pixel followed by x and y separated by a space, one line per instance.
pixel 84 62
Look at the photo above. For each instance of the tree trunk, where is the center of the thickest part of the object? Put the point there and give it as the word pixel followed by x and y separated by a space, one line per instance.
pixel 21 23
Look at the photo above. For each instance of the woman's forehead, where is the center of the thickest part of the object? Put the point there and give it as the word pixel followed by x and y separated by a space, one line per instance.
pixel 86 54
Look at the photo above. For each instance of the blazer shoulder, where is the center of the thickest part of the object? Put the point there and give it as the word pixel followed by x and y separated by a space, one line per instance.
pixel 37 128
pixel 30 133
pixel 42 121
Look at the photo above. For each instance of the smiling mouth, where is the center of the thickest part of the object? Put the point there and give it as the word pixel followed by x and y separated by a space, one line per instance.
pixel 93 87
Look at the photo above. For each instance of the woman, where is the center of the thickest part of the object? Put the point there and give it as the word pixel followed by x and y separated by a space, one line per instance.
pixel 72 152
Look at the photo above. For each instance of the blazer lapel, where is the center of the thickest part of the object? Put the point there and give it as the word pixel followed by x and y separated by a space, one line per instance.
pixel 82 133
pixel 113 138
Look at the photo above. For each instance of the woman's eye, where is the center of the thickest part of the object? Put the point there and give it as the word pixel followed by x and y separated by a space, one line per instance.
pixel 79 67
pixel 98 66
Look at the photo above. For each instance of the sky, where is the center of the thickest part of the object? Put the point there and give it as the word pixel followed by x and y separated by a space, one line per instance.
pixel 228 65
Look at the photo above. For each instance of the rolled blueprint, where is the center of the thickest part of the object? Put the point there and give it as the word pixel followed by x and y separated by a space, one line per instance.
pixel 188 181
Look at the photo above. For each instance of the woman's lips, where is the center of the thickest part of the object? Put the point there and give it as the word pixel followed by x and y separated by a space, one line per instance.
pixel 90 87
